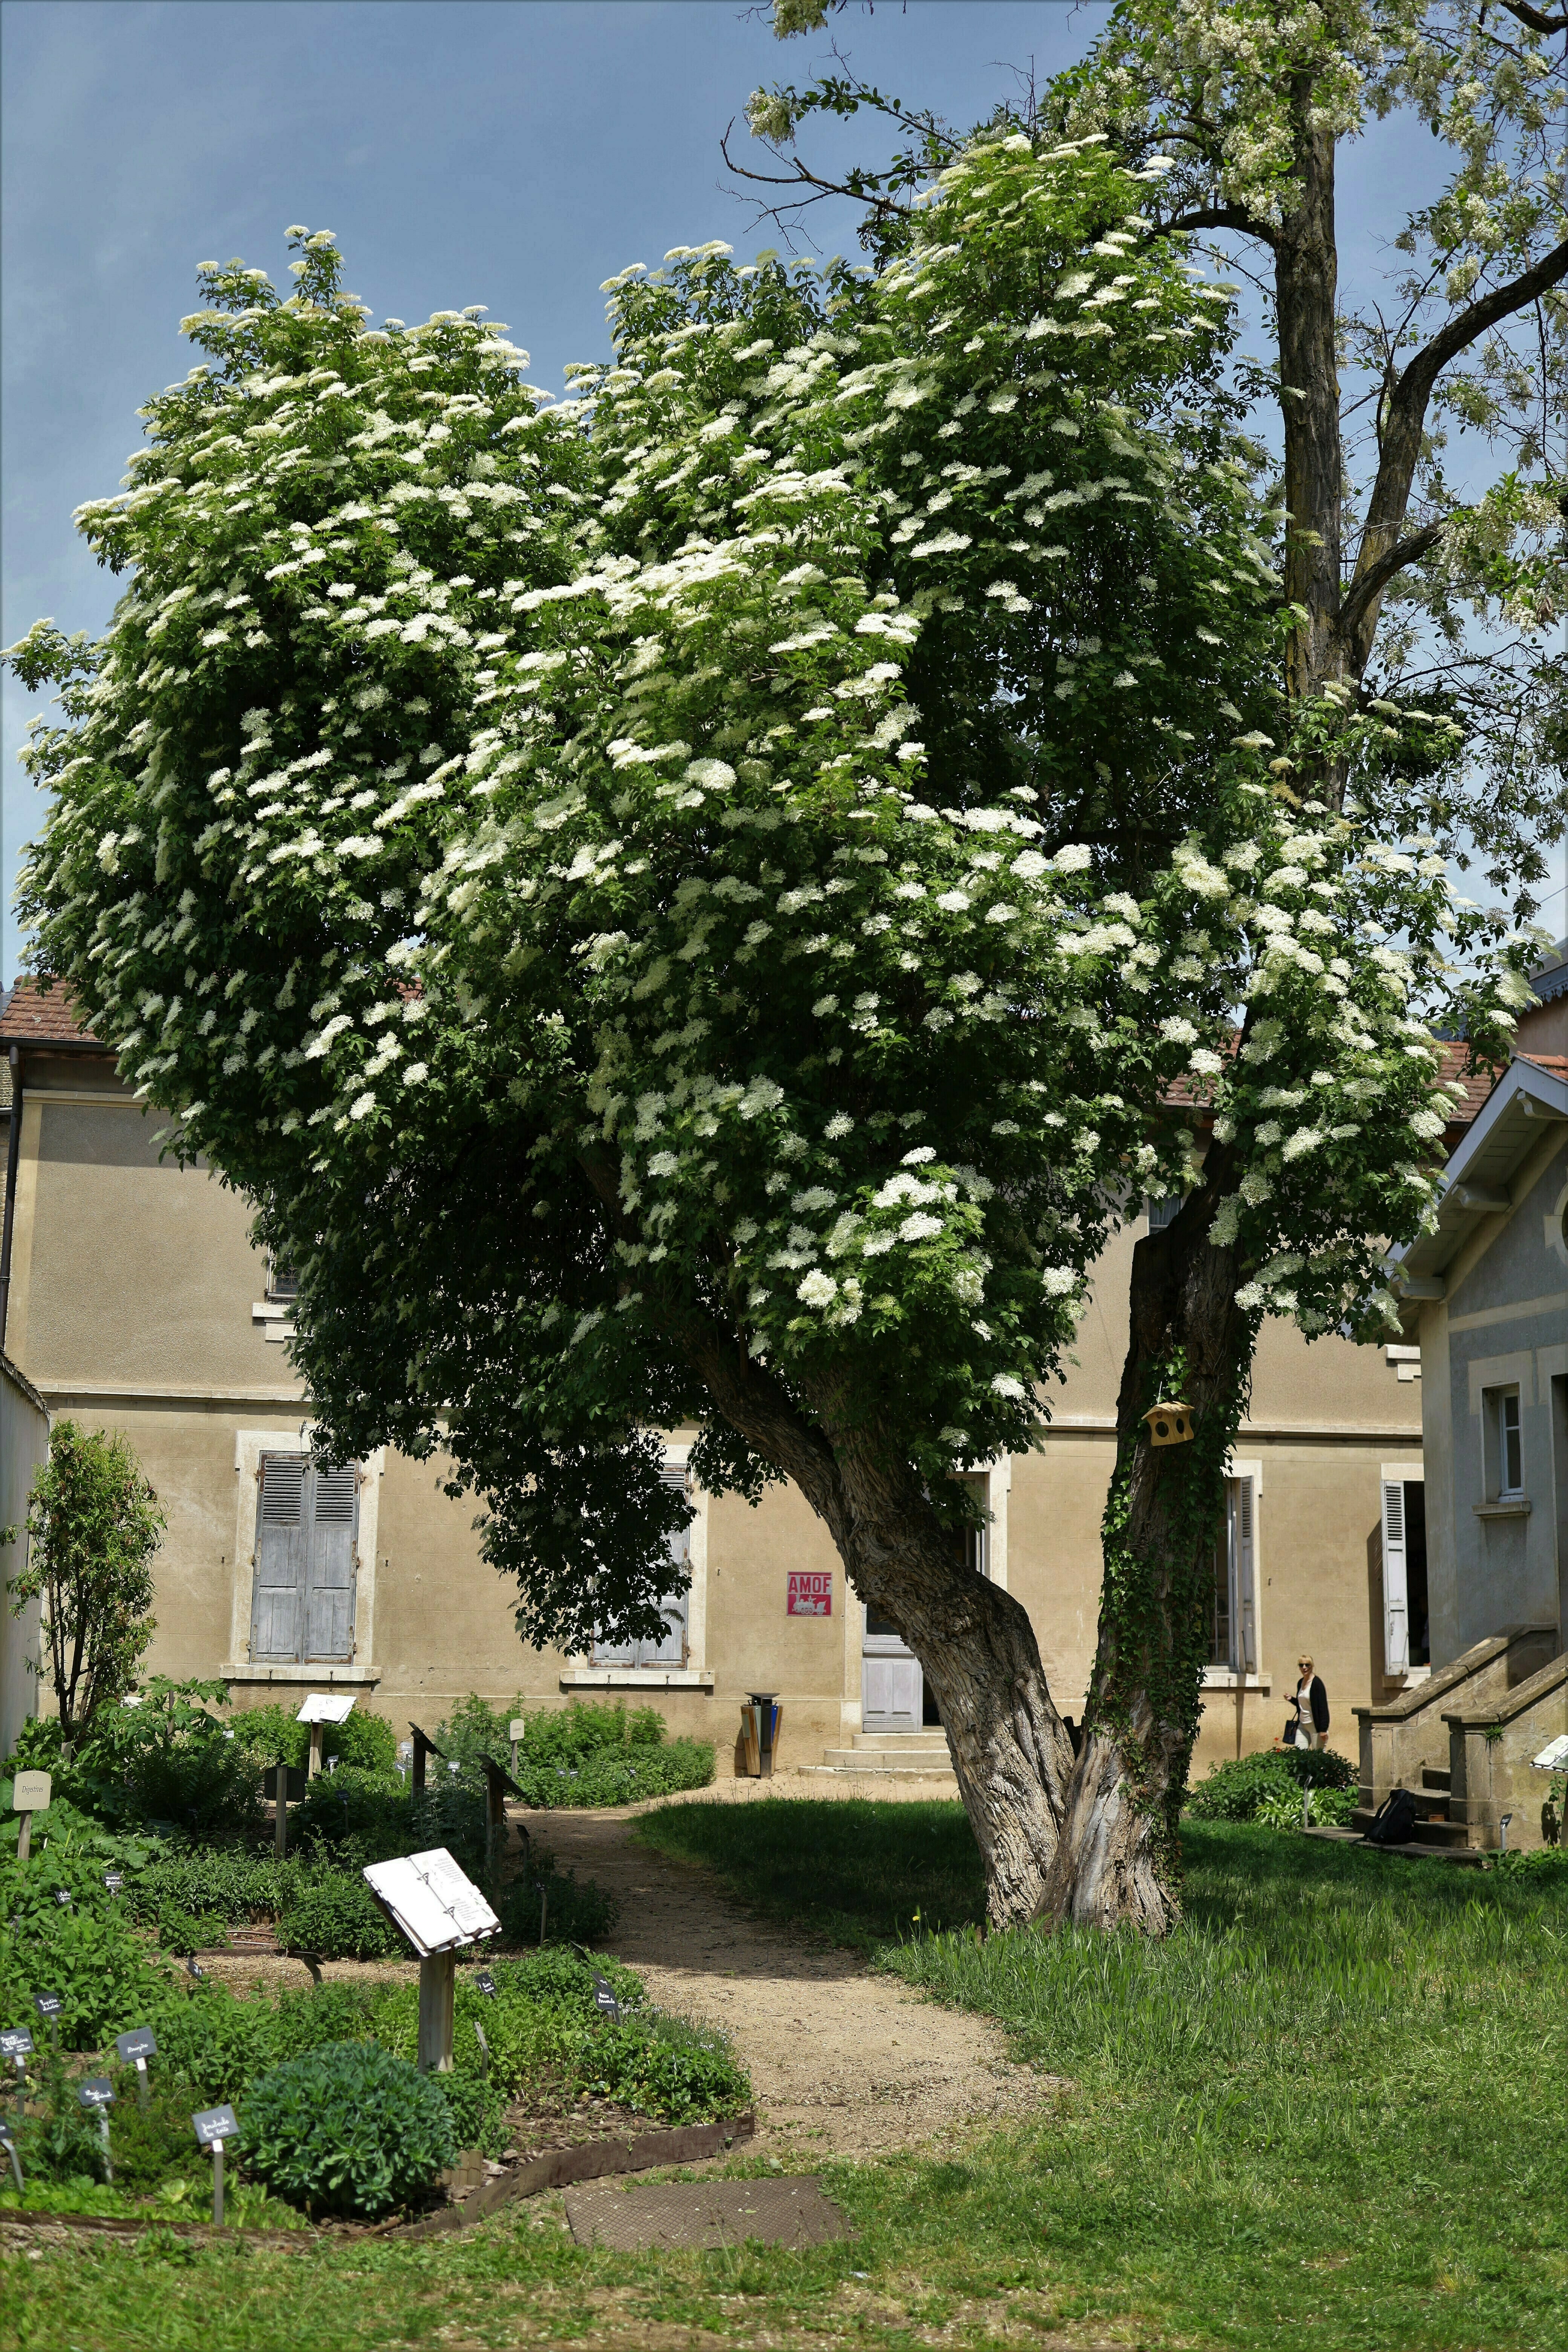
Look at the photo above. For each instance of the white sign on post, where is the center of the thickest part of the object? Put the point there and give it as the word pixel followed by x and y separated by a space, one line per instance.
pixel 1553 1757
pixel 438 1907
pixel 326 1706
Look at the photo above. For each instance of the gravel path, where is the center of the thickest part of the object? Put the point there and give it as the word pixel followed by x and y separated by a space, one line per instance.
pixel 845 2063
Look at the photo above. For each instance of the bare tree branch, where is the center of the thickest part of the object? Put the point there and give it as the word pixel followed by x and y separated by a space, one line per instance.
pixel 1536 18
pixel 1371 583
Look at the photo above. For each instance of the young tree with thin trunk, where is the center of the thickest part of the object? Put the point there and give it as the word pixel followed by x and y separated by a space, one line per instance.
pixel 92 1528
pixel 1400 577
pixel 694 904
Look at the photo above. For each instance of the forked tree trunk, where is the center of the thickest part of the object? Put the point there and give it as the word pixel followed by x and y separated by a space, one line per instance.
pixel 1117 1859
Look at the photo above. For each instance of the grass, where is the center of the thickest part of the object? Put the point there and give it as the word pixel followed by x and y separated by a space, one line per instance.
pixel 1330 2107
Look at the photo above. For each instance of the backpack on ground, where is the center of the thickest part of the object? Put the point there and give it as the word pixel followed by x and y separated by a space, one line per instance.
pixel 1393 1823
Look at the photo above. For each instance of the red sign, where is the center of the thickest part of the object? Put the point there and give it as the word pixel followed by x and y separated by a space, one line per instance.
pixel 810 1593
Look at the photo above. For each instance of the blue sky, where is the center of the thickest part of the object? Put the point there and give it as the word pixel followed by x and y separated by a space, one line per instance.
pixel 514 152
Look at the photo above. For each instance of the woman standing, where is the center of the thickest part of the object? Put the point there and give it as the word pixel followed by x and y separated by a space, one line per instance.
pixel 1310 1726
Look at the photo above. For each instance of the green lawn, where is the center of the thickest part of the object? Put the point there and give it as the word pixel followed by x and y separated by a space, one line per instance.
pixel 1331 2108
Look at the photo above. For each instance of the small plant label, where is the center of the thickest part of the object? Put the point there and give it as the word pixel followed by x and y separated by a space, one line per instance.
pixel 63 1897
pixel 30 1792
pixel 605 2000
pixel 212 2125
pixel 192 1969
pixel 484 1982
pixel 98 2091
pixel 114 1881
pixel 15 2042
pixel 137 2046
pixel 48 2004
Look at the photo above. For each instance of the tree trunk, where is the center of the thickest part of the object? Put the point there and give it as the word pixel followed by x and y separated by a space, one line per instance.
pixel 977 1648
pixel 1306 281
pixel 1118 1856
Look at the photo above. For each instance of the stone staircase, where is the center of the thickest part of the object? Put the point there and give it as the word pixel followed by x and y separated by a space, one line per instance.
pixel 880 1757
pixel 1461 1742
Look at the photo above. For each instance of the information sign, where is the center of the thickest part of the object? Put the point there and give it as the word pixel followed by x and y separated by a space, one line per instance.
pixel 98 2091
pixel 48 2004
pixel 214 2126
pixel 114 1881
pixel 484 1982
pixel 1553 1757
pixel 17 2043
pixel 138 2046
pixel 604 1998
pixel 325 1706
pixel 810 1593
pixel 30 1792
pixel 438 1907
pixel 63 1897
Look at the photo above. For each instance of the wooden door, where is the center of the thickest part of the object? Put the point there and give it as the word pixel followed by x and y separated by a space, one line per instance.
pixel 892 1687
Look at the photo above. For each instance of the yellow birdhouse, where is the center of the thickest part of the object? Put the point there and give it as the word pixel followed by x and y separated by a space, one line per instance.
pixel 1169 1424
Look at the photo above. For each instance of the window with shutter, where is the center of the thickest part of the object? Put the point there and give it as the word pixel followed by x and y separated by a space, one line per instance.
pixel 307 1523
pixel 1245 1552
pixel 669 1650
pixel 330 1604
pixel 1396 1595
pixel 277 1614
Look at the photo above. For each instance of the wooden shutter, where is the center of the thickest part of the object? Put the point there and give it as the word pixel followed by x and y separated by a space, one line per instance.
pixel 1396 1595
pixel 333 1526
pixel 1244 1555
pixel 277 1603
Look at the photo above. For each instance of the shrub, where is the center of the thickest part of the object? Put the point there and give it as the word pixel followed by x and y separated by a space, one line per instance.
pixel 85 1951
pixel 573 1913
pixel 1547 1862
pixel 271 1733
pixel 1280 1809
pixel 664 2066
pixel 64 2142
pixel 336 1918
pixel 1234 1790
pixel 616 1775
pixel 347 2129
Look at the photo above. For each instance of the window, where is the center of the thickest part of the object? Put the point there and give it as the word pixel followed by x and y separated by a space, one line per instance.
pixel 307 1527
pixel 282 1282
pixel 977 1541
pixel 1233 1604
pixel 1504 1445
pixel 1162 1212
pixel 669 1650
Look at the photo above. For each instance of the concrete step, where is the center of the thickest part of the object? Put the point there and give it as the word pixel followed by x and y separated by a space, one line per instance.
pixel 900 1743
pixel 1436 1777
pixel 854 1760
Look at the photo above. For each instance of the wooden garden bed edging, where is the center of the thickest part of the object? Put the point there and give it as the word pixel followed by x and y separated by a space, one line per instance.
pixel 592 2160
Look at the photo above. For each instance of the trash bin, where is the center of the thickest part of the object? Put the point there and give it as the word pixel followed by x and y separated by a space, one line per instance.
pixel 760 1719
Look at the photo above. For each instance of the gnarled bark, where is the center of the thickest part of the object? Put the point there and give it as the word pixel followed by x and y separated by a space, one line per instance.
pixel 1116 1859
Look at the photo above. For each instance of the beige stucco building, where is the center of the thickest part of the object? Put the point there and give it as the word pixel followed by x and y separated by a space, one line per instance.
pixel 135 1300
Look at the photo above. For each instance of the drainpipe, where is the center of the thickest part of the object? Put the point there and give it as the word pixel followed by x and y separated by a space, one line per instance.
pixel 12 1156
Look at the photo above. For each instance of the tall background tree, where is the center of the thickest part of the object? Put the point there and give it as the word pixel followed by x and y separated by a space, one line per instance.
pixel 93 1526
pixel 693 904
pixel 1411 568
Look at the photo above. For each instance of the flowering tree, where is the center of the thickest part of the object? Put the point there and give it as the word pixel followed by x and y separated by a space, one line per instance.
pixel 1404 577
pixel 697 903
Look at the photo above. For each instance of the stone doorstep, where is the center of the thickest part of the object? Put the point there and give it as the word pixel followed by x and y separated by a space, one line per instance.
pixel 1468 1857
pixel 867 1769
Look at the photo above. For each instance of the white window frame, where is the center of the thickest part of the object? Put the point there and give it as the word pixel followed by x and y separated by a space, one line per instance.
pixel 1495 1433
pixel 249 1445
pixel 1246 1670
pixel 1393 1529
pixel 580 1673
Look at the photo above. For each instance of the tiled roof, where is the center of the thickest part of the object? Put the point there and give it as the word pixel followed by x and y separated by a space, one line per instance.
pixel 39 1012
pixel 1556 1063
